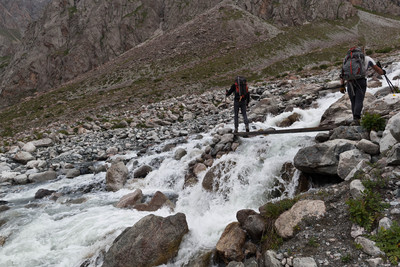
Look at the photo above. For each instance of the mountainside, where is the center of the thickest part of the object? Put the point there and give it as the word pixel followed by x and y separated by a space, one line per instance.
pixel 73 38
pixel 131 53
pixel 385 6
pixel 15 15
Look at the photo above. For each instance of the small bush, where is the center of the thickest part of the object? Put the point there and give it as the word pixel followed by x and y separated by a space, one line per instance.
pixel 366 209
pixel 312 242
pixel 273 210
pixel 346 258
pixel 389 242
pixel 372 121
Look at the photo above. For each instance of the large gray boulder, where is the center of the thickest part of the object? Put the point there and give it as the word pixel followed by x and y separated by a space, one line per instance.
pixel 350 159
pixel 339 113
pixel 23 157
pixel 151 241
pixel 42 176
pixel 387 141
pixel 383 106
pixel 322 158
pixel 45 142
pixel 355 133
pixel 393 125
pixel 393 155
pixel 116 176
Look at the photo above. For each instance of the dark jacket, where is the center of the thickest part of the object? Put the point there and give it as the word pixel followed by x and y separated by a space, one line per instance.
pixel 237 96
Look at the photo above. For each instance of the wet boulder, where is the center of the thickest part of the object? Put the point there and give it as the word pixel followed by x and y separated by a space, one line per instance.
pixel 289 120
pixel 254 225
pixel 216 175
pixel 42 193
pixel 116 176
pixel 158 201
pixel 152 241
pixel 142 171
pixel 262 108
pixel 179 153
pixel 230 245
pixel 130 200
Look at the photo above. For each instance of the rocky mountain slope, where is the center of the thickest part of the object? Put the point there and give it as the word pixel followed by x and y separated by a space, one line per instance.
pixel 389 7
pixel 73 38
pixel 169 55
pixel 321 229
pixel 15 16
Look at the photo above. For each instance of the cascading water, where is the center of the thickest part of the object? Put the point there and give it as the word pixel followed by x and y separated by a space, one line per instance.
pixel 68 231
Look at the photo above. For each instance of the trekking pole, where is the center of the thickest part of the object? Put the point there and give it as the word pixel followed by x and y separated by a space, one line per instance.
pixel 391 86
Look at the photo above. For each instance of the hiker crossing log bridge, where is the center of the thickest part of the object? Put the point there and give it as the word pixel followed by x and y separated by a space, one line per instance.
pixel 283 131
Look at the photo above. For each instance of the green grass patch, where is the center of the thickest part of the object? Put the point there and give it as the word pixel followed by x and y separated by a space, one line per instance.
pixel 72 10
pixel 273 210
pixel 384 50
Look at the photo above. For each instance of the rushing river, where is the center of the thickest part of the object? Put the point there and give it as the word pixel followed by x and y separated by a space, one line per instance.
pixel 66 232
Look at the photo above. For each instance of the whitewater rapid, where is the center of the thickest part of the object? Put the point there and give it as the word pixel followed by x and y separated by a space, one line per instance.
pixel 68 231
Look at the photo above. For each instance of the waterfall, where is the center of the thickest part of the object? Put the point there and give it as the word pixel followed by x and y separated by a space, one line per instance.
pixel 73 228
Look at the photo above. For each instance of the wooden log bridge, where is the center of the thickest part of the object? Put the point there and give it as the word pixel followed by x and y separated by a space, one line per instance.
pixel 283 131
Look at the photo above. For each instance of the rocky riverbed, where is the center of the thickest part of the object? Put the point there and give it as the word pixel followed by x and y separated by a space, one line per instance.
pixel 317 229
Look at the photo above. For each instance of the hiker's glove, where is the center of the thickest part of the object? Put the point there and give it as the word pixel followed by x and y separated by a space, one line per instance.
pixel 384 72
pixel 342 89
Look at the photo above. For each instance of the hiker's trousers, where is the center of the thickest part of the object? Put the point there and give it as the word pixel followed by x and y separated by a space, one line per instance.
pixel 356 90
pixel 242 106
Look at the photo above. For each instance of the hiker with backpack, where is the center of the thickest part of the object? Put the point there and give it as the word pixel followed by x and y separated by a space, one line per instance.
pixel 354 68
pixel 241 100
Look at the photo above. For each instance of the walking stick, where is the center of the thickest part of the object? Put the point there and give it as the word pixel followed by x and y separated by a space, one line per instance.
pixel 391 86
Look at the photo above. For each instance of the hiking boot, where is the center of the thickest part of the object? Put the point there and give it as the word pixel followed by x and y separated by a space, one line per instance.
pixel 247 130
pixel 355 122
pixel 235 131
